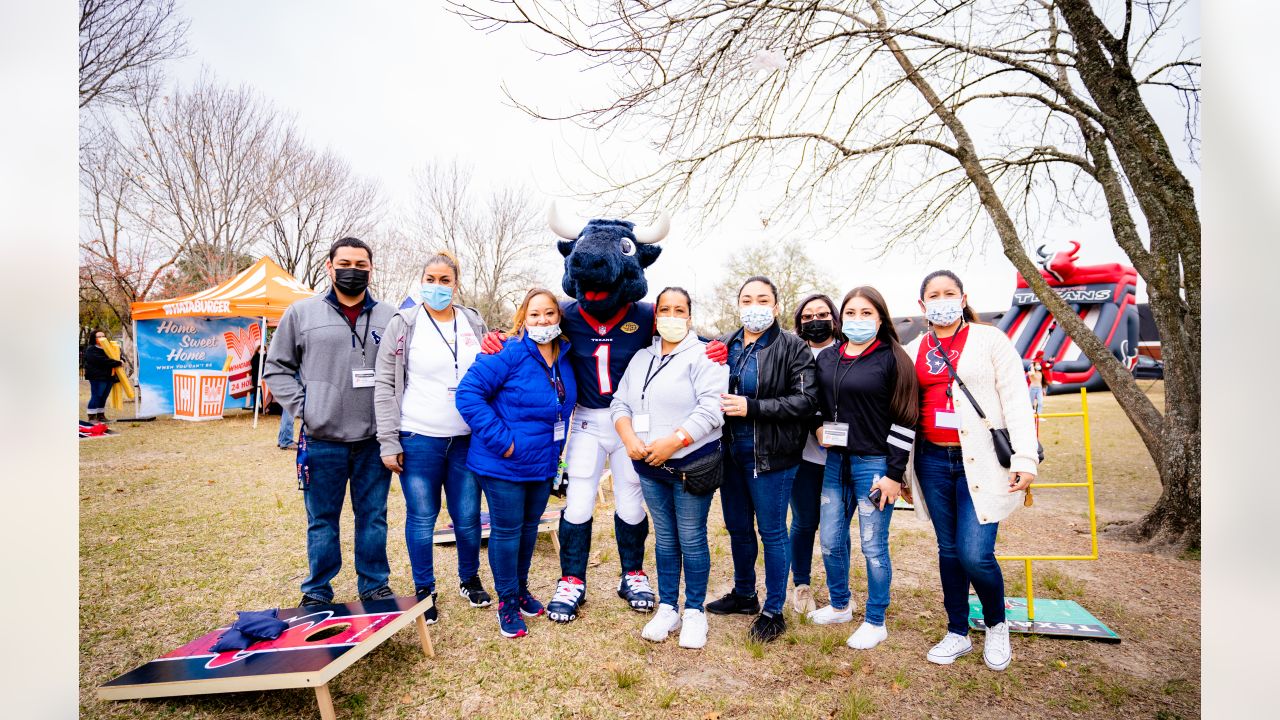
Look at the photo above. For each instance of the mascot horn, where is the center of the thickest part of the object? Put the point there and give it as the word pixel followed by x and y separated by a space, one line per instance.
pixel 604 260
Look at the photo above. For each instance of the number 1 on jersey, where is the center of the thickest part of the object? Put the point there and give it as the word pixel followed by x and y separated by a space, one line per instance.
pixel 602 368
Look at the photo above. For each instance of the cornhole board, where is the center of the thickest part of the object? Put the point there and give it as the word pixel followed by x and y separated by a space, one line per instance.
pixel 549 522
pixel 320 642
pixel 86 431
pixel 1054 618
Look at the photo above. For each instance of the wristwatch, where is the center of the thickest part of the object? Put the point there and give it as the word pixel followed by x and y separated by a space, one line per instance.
pixel 685 440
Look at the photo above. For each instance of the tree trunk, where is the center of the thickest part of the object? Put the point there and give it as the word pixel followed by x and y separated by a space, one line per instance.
pixel 1167 201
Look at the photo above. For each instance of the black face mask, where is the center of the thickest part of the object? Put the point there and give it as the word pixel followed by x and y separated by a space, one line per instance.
pixel 817 330
pixel 351 281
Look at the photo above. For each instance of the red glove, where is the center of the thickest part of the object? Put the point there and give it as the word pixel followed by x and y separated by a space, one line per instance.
pixel 492 342
pixel 717 352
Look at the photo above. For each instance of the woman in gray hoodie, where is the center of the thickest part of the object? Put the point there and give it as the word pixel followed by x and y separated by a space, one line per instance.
pixel 667 412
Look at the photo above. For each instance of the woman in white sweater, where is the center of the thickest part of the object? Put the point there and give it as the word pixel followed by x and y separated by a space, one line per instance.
pixel 959 483
pixel 667 412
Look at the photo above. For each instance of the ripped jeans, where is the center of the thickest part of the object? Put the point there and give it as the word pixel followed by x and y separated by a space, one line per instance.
pixel 845 484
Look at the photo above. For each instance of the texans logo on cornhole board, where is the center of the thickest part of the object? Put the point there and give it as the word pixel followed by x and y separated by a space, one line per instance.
pixel 319 643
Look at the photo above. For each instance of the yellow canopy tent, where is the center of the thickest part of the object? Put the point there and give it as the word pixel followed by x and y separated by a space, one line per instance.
pixel 264 290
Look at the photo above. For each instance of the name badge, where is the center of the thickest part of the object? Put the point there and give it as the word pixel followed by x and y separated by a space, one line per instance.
pixel 640 423
pixel 452 392
pixel 362 378
pixel 557 431
pixel 835 434
pixel 947 420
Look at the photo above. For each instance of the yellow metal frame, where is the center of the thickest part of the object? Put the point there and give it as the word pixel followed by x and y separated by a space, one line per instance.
pixel 1093 517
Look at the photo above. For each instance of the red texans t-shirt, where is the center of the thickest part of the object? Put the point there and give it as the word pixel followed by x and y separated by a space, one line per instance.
pixel 934 379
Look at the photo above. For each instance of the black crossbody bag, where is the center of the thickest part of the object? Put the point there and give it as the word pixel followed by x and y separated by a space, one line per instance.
pixel 700 476
pixel 999 436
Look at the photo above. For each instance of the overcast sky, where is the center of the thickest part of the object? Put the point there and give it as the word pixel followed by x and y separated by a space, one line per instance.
pixel 393 84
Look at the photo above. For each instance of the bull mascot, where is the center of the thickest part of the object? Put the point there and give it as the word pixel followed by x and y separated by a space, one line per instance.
pixel 606 323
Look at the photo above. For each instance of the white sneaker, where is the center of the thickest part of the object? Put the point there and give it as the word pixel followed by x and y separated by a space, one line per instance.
pixel 694 633
pixel 867 636
pixel 828 615
pixel 664 621
pixel 802 600
pixel 951 647
pixel 996 652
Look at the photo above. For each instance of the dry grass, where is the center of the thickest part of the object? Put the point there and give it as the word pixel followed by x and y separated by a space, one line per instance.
pixel 183 524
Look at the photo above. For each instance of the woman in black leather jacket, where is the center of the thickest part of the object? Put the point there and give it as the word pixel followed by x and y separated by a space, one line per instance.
pixel 772 396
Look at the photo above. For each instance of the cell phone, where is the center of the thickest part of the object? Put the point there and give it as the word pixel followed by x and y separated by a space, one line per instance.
pixel 874 495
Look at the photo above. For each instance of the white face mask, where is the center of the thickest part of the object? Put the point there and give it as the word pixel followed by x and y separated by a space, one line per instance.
pixel 673 329
pixel 543 334
pixel 756 318
pixel 943 311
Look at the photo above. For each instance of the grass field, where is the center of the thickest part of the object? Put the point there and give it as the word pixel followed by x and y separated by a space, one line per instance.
pixel 182 524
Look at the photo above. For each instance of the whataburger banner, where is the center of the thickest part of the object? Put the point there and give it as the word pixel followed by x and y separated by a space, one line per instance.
pixel 217 329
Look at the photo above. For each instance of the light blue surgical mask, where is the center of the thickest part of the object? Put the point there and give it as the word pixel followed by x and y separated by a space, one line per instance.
pixel 436 297
pixel 859 331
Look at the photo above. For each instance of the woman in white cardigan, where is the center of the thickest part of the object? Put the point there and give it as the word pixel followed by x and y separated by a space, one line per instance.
pixel 956 479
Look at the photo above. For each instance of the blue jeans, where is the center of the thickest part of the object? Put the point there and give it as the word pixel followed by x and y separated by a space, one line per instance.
pixel 332 465
pixel 806 493
pixel 99 391
pixel 748 499
pixel 966 547
pixel 432 463
pixel 285 435
pixel 680 538
pixel 845 485
pixel 514 511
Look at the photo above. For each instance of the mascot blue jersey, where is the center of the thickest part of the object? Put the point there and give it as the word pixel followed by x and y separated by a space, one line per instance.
pixel 600 350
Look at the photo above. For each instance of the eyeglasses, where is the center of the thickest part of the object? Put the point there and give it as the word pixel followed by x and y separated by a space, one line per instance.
pixel 559 386
pixel 820 316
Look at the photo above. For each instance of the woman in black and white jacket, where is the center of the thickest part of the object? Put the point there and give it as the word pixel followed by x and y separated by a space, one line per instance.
pixel 959 483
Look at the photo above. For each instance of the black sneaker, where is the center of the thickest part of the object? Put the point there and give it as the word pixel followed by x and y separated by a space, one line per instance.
pixel 308 601
pixel 382 593
pixel 473 591
pixel 767 628
pixel 433 613
pixel 734 603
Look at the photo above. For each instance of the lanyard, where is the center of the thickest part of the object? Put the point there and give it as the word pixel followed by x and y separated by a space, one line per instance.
pixel 835 387
pixel 945 352
pixel 453 348
pixel 735 374
pixel 352 328
pixel 650 374
pixel 553 377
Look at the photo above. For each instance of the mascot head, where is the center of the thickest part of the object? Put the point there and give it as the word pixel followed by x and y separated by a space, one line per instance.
pixel 604 260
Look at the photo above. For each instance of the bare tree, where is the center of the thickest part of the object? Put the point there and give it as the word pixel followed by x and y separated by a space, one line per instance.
pixel 207 166
pixel 121 260
pixel 498 237
pixel 122 43
pixel 318 200
pixel 787 264
pixel 946 119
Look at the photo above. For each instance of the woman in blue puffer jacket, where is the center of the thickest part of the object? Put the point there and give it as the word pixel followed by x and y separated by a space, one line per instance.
pixel 517 404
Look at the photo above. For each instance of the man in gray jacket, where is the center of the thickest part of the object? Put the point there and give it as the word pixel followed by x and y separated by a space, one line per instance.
pixel 320 367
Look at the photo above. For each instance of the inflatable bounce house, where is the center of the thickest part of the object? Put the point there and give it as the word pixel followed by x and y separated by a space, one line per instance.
pixel 1105 298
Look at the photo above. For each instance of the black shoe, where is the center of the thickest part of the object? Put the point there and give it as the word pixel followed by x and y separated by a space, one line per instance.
pixel 734 603
pixel 433 613
pixel 473 591
pixel 382 593
pixel 767 628
pixel 309 601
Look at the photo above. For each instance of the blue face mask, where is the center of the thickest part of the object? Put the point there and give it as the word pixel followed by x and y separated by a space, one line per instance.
pixel 859 331
pixel 436 297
